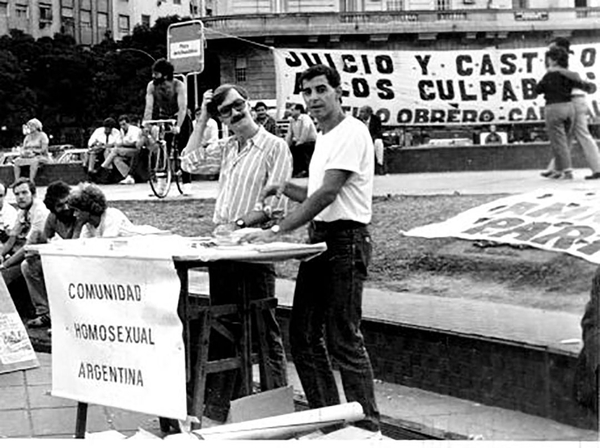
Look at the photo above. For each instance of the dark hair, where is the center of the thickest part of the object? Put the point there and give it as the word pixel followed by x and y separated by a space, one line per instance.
pixel 88 198
pixel 164 67
pixel 332 75
pixel 55 191
pixel 221 92
pixel 559 55
pixel 109 123
pixel 260 104
pixel 124 118
pixel 24 180
pixel 299 108
pixel 562 42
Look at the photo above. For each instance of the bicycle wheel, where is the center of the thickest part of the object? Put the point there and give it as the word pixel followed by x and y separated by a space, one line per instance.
pixel 176 170
pixel 160 171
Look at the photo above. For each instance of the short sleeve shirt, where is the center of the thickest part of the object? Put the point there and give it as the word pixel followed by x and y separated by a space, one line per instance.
pixel 114 223
pixel 346 147
pixel 30 222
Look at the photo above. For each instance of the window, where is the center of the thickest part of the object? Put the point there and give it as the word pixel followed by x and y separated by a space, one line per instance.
pixel 395 5
pixel 3 9
pixel 241 65
pixel 177 2
pixel 123 24
pixel 442 5
pixel 45 13
pixel 85 18
pixel 67 4
pixel 102 20
pixel 146 20
pixel 22 11
pixel 86 4
pixel 103 6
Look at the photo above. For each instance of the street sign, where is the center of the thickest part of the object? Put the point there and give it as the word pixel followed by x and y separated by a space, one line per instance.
pixel 185 44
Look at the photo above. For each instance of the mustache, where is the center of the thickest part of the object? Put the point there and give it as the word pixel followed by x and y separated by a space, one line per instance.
pixel 237 118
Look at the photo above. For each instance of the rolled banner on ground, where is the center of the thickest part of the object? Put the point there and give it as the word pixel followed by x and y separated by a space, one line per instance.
pixel 285 426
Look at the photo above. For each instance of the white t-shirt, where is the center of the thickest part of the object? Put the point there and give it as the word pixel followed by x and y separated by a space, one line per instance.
pixel 114 223
pixel 131 137
pixel 347 147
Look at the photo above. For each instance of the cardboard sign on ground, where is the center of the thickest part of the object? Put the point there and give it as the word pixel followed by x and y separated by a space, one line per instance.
pixel 16 351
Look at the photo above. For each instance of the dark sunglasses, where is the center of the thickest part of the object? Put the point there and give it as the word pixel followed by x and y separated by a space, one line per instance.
pixel 238 105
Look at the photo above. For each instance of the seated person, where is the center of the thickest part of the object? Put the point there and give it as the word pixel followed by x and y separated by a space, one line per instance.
pixel 34 151
pixel 129 147
pixel 60 223
pixel 8 216
pixel 105 137
pixel 94 217
pixel 30 222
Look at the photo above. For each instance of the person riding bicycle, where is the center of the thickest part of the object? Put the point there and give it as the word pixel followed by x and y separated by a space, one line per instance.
pixel 166 98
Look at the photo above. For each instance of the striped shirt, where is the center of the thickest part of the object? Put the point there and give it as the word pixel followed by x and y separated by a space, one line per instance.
pixel 265 160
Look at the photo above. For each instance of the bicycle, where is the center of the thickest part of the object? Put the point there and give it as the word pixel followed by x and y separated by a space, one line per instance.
pixel 164 166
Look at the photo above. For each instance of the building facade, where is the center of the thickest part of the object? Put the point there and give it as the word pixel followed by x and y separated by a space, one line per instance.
pixel 88 21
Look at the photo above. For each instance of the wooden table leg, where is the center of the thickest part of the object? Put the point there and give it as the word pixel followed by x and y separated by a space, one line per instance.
pixel 81 420
pixel 246 342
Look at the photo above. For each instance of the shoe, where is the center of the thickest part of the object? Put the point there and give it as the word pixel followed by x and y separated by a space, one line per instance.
pixel 127 181
pixel 547 173
pixel 186 189
pixel 40 321
pixel 376 435
pixel 565 175
pixel 592 176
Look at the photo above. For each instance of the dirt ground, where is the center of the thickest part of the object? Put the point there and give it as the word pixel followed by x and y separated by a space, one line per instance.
pixel 411 264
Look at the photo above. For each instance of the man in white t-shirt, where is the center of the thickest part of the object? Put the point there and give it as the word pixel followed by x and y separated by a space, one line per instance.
pixel 122 155
pixel 326 314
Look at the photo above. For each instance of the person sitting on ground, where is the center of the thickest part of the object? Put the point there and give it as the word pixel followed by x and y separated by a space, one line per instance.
pixel 264 119
pixel 60 223
pixel 8 216
pixel 103 138
pixel 129 147
pixel 30 222
pixel 93 215
pixel 34 151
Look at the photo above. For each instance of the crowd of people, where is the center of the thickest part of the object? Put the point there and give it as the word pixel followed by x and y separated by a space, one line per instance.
pixel 339 155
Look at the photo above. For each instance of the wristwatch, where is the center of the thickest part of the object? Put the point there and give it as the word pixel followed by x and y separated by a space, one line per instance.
pixel 240 223
pixel 275 228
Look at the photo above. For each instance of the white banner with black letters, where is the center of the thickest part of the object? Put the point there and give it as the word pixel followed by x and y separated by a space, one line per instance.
pixel 436 87
pixel 555 220
pixel 116 336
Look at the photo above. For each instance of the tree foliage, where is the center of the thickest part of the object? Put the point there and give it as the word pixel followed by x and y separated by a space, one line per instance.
pixel 71 88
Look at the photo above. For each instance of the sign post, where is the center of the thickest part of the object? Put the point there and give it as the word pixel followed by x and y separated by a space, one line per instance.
pixel 185 43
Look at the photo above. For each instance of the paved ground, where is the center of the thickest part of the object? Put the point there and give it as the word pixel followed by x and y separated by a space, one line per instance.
pixel 27 409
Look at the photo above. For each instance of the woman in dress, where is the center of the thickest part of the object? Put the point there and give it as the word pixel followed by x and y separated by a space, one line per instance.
pixel 34 151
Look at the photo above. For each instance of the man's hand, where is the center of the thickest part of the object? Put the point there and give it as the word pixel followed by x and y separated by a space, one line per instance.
pixel 271 190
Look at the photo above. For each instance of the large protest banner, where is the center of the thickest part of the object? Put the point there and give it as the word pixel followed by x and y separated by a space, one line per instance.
pixel 16 351
pixel 117 338
pixel 555 220
pixel 436 87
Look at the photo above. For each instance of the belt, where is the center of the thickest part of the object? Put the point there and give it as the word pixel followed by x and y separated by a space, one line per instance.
pixel 340 224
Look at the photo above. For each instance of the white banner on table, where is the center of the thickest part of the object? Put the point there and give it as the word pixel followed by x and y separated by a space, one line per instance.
pixel 555 220
pixel 116 336
pixel 425 87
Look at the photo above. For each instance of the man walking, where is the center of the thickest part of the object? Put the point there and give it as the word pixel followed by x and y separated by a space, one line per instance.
pixel 250 160
pixel 327 312
pixel 301 139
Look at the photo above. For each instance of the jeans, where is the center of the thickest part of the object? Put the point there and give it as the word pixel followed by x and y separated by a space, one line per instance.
pixel 31 269
pixel 227 279
pixel 559 122
pixel 326 315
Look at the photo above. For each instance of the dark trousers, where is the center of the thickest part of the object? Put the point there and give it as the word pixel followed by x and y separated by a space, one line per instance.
pixel 326 315
pixel 227 279
pixel 301 155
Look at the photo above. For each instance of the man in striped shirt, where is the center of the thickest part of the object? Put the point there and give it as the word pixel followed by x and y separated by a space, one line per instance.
pixel 251 159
